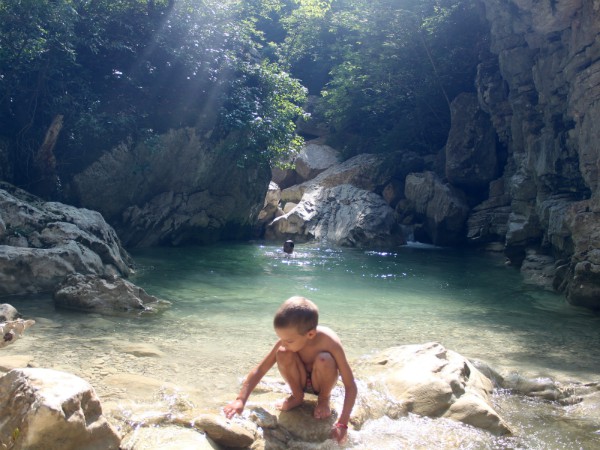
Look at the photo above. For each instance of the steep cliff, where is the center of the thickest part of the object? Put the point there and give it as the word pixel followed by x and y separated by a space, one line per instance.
pixel 541 87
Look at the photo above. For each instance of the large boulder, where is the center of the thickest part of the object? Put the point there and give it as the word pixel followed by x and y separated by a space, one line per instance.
pixel 371 172
pixel 430 380
pixel 174 189
pixel 342 215
pixel 42 242
pixel 441 208
pixel 90 293
pixel 314 158
pixel 43 409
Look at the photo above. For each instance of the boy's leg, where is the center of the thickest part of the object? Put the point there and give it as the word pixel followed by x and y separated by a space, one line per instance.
pixel 293 372
pixel 324 378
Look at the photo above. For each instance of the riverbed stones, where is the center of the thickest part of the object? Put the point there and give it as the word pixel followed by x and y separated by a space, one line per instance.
pixel 44 409
pixel 90 293
pixel 225 432
pixel 430 380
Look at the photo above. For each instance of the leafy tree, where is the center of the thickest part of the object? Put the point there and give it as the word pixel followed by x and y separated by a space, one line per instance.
pixel 128 70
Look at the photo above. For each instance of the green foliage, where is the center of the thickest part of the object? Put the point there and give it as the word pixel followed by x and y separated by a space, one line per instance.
pixel 387 69
pixel 125 70
pixel 259 114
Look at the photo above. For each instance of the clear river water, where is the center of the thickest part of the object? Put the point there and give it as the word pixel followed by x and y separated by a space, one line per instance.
pixel 220 325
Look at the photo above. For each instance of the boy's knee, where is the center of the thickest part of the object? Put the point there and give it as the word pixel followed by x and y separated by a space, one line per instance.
pixel 325 360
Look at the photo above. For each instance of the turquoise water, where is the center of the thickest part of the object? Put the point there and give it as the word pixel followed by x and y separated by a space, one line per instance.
pixel 224 296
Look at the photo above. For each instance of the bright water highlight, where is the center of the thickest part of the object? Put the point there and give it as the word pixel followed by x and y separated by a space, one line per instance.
pixel 220 326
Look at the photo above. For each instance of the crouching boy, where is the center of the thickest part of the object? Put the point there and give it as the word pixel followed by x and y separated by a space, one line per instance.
pixel 310 358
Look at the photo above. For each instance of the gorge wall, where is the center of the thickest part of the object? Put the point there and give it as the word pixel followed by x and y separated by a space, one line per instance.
pixel 541 87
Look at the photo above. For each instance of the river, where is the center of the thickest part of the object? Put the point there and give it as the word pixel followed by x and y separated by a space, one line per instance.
pixel 220 325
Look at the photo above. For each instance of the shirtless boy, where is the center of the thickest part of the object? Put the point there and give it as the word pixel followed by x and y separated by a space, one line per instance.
pixel 310 358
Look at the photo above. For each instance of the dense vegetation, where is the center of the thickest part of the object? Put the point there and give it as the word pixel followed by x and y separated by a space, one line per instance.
pixel 98 72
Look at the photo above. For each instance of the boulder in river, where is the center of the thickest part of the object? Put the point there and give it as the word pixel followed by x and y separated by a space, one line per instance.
pixel 114 296
pixel 44 409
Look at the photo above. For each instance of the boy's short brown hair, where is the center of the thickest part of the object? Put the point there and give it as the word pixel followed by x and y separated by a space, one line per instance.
pixel 297 312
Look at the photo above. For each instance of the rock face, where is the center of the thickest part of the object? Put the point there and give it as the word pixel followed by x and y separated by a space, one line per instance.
pixel 116 296
pixel 441 207
pixel 43 242
pixel 430 380
pixel 471 153
pixel 173 190
pixel 51 410
pixel 342 215
pixel 347 204
pixel 541 86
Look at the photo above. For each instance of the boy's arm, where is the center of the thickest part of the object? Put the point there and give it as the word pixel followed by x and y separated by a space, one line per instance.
pixel 349 384
pixel 250 382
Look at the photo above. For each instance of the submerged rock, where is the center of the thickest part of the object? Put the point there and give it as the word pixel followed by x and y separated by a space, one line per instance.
pixel 90 293
pixel 43 409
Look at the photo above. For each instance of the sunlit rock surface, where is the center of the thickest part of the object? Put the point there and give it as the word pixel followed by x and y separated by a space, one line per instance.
pixel 113 296
pixel 315 157
pixel 343 215
pixel 43 409
pixel 430 380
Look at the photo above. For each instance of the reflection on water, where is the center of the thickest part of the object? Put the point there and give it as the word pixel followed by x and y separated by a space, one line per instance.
pixel 224 297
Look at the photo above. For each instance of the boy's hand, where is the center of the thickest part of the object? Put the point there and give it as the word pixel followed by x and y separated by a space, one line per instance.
pixel 340 434
pixel 233 408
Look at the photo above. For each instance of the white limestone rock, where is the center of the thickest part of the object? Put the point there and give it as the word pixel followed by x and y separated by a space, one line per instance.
pixel 430 380
pixel 44 409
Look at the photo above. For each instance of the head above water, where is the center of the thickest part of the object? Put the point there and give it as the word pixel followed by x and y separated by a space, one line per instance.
pixel 288 246
pixel 297 312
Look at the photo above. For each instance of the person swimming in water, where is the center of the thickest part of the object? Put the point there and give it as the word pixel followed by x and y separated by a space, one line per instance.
pixel 288 247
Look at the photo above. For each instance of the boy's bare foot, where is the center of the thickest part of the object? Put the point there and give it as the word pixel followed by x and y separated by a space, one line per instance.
pixel 322 410
pixel 289 403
